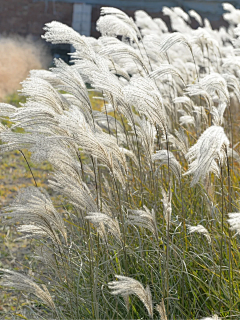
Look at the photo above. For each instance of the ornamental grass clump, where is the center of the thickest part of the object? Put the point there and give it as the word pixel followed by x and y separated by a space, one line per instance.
pixel 143 217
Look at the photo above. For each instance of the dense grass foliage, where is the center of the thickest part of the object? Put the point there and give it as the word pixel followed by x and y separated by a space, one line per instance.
pixel 148 183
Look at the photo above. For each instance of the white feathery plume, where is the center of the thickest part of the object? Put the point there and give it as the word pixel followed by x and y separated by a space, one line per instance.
pixel 187 119
pixel 217 114
pixel 111 25
pixel 179 140
pixel 200 229
pixel 207 24
pixel 34 207
pixel 147 24
pixel 196 16
pixel 233 83
pixel 233 16
pixel 73 84
pixel 15 141
pixel 202 38
pixel 144 21
pixel 209 148
pixel 74 189
pixel 186 101
pixel 32 230
pixel 120 15
pixel 129 154
pixel 161 310
pixel 168 40
pixel 234 221
pixel 237 30
pixel 167 206
pixel 143 94
pixel 7 109
pixel 3 128
pixel 67 160
pixel 167 158
pixel 86 67
pixel 37 119
pixel 119 50
pixel 111 224
pixel 167 11
pixel 96 143
pixel 165 69
pixel 105 81
pixel 144 219
pixel 41 91
pixel 119 71
pixel 161 24
pixel 106 121
pixel 231 64
pixel 177 19
pixel 221 109
pixel 200 116
pixel 46 75
pixel 21 282
pixel 210 85
pixel 57 33
pixel 214 317
pixel 215 117
pixel 146 132
pixel 179 11
pixel 126 286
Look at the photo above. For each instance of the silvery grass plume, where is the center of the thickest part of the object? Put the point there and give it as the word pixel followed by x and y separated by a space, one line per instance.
pixel 34 209
pixel 207 154
pixel 146 133
pixel 196 16
pixel 164 70
pixel 179 140
pixel 217 114
pixel 186 120
pixel 169 40
pixel 76 191
pixel 21 282
pixel 57 32
pixel 203 39
pixel 179 11
pixel 167 206
pixel 126 286
pixel 233 16
pixel 200 229
pixel 234 221
pixel 104 222
pixel 209 86
pixel 117 50
pixel 143 93
pixel 113 22
pixel 177 17
pixel 161 310
pixel 144 219
pixel 167 158
pixel 214 317
pixel 147 25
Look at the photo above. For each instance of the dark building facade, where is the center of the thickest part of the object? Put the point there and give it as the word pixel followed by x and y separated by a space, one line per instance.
pixel 29 16
pixel 26 17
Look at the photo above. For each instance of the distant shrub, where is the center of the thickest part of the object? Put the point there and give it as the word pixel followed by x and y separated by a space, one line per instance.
pixel 19 55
